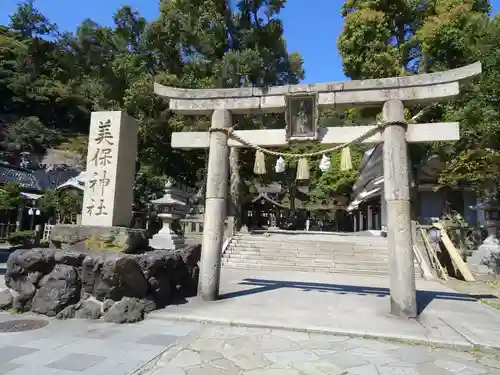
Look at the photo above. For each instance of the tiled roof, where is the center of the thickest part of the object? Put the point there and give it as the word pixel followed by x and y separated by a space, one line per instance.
pixel 24 177
pixel 51 179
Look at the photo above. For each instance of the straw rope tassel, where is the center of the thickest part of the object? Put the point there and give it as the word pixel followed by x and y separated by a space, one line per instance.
pixel 345 159
pixel 302 169
pixel 259 166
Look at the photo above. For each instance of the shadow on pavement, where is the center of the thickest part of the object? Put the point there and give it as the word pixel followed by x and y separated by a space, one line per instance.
pixel 424 297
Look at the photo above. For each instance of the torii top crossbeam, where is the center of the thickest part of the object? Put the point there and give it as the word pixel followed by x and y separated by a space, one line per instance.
pixel 416 89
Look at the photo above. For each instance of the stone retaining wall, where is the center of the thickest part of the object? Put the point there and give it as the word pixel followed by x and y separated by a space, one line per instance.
pixel 116 287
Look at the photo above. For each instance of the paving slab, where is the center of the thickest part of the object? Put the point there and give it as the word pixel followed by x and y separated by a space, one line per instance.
pixel 342 304
pixel 261 351
pixel 87 347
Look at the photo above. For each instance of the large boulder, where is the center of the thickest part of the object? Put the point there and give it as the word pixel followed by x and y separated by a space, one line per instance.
pixel 5 299
pixel 25 261
pixel 113 277
pixel 128 310
pixel 188 271
pixel 58 289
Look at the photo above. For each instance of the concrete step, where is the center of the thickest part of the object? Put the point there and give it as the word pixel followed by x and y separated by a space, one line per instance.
pixel 273 267
pixel 347 266
pixel 303 254
pixel 309 250
pixel 271 239
pixel 278 256
pixel 313 237
pixel 309 243
pixel 237 256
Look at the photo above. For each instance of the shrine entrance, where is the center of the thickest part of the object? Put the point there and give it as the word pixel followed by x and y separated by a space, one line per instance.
pixel 301 104
pixel 263 212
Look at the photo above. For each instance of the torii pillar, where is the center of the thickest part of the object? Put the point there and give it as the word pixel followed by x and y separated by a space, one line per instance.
pixel 392 94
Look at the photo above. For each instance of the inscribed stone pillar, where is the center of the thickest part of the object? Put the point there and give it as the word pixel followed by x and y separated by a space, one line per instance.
pixel 397 195
pixel 109 185
pixel 215 207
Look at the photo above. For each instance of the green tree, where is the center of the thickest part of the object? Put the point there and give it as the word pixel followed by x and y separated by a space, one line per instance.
pixel 65 204
pixel 10 196
pixel 386 38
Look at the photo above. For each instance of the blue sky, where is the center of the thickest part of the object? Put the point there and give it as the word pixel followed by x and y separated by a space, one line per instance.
pixel 311 26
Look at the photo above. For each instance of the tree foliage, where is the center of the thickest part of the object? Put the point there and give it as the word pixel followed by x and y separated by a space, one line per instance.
pixel 10 196
pixel 385 38
pixel 51 79
pixel 64 205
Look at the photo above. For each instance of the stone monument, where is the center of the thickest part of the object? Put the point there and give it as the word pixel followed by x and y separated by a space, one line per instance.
pixel 170 207
pixel 390 94
pixel 109 189
pixel 112 152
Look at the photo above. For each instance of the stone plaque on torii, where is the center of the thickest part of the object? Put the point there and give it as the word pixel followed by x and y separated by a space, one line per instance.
pixel 302 103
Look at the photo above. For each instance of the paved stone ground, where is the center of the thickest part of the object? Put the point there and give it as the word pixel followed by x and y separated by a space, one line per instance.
pixel 488 289
pixel 82 347
pixel 163 347
pixel 225 350
pixel 343 304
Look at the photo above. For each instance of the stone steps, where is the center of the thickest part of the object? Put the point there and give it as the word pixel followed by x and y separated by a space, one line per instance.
pixel 358 256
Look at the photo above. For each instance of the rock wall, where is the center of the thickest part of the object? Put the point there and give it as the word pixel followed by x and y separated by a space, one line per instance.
pixel 116 287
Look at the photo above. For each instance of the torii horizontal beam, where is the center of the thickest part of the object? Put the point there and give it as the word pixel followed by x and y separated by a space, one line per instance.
pixel 416 89
pixel 416 133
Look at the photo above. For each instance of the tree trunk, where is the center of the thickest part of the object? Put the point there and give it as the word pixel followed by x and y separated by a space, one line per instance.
pixel 234 185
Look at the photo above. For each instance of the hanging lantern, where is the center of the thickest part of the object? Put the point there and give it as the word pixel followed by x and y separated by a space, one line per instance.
pixel 325 163
pixel 280 165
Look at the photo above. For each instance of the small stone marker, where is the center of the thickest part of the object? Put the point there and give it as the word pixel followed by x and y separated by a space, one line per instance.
pixel 109 188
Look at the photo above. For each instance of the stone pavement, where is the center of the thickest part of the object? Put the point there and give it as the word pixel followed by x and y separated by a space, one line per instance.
pixel 82 347
pixel 162 347
pixel 343 304
pixel 225 350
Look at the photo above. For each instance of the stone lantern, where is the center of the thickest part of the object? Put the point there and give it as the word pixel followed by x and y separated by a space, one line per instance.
pixel 170 207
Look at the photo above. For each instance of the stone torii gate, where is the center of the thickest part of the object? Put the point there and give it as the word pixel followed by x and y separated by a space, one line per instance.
pixel 392 94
